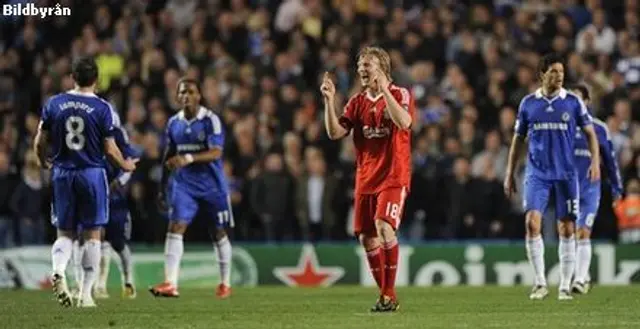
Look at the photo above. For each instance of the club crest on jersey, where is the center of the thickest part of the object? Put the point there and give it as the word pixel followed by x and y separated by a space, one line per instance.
pixel 375 132
pixel 565 116
pixel 201 136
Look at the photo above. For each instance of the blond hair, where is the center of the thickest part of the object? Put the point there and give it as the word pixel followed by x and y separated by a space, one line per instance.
pixel 381 54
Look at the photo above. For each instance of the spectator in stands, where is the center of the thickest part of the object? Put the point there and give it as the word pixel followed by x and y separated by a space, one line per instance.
pixel 628 213
pixel 28 200
pixel 6 188
pixel 272 199
pixel 315 202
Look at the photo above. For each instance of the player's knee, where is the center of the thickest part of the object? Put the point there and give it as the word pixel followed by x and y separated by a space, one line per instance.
pixel 566 228
pixel 177 227
pixel 583 233
pixel 117 245
pixel 368 242
pixel 219 234
pixel 534 222
pixel 92 234
pixel 385 230
pixel 67 234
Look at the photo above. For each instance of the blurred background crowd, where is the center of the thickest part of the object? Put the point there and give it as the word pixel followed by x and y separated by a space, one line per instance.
pixel 468 64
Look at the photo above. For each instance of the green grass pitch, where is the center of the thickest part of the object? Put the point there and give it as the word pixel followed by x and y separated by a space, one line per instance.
pixel 334 308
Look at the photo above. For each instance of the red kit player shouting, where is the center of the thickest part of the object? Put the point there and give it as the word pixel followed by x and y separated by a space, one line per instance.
pixel 380 117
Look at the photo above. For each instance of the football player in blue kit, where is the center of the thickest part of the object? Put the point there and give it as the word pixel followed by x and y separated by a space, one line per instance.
pixel 590 191
pixel 74 135
pixel 117 232
pixel 195 141
pixel 549 119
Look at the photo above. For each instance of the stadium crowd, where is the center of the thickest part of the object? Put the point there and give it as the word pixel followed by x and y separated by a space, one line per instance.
pixel 468 64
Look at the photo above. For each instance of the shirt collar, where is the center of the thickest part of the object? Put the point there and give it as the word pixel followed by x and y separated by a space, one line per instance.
pixel 202 112
pixel 562 93
pixel 81 93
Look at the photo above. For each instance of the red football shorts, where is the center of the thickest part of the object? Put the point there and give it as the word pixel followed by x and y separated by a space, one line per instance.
pixel 386 205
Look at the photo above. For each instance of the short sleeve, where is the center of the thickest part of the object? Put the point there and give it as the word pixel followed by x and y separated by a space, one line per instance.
pixel 583 117
pixel 110 121
pixel 348 117
pixel 45 117
pixel 403 97
pixel 168 141
pixel 215 134
pixel 522 122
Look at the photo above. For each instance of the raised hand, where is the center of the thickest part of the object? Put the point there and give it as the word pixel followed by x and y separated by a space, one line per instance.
pixel 380 78
pixel 328 89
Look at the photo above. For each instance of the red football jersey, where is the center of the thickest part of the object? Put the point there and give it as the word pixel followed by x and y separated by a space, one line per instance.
pixel 383 150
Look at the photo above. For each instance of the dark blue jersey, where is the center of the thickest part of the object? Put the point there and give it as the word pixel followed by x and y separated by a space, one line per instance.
pixel 550 126
pixel 78 124
pixel 583 158
pixel 118 197
pixel 201 133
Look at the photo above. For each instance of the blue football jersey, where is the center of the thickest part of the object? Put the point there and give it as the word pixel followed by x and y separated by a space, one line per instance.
pixel 202 133
pixel 583 157
pixel 118 197
pixel 77 124
pixel 550 126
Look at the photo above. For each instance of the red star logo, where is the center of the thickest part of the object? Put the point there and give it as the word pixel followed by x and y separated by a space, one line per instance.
pixel 308 273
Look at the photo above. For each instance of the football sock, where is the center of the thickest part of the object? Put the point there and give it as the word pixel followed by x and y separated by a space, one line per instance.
pixel 105 261
pixel 90 266
pixel 126 266
pixel 60 254
pixel 223 251
pixel 173 250
pixel 535 254
pixel 391 250
pixel 375 257
pixel 583 259
pixel 567 256
pixel 77 263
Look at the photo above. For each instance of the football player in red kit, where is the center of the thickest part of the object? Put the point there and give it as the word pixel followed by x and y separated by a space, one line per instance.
pixel 380 117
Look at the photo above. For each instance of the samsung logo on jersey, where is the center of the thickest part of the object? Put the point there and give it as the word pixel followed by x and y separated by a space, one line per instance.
pixel 190 147
pixel 76 105
pixel 550 126
pixel 582 153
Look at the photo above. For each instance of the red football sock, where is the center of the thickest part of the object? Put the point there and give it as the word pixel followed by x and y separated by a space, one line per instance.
pixel 391 251
pixel 376 265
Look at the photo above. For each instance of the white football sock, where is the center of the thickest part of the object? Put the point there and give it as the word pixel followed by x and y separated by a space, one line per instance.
pixel 173 250
pixel 583 259
pixel 223 251
pixel 60 254
pixel 105 261
pixel 535 254
pixel 567 256
pixel 77 263
pixel 90 267
pixel 126 266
